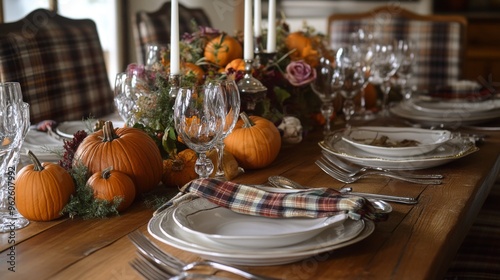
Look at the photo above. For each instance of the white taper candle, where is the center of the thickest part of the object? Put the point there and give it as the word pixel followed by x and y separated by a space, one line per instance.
pixel 174 39
pixel 257 18
pixel 271 27
pixel 248 34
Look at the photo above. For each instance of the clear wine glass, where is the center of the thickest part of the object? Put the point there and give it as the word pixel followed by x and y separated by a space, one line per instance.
pixel 406 54
pixel 199 119
pixel 326 86
pixel 362 42
pixel 232 103
pixel 349 62
pixel 14 125
pixel 385 64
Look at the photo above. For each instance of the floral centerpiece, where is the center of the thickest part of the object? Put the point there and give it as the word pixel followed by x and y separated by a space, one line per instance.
pixel 210 54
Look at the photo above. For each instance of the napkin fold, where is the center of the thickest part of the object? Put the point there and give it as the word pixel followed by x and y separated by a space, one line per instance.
pixel 313 203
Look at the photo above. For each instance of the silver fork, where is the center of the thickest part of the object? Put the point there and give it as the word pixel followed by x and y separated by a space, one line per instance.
pixel 150 271
pixel 150 250
pixel 353 170
pixel 334 172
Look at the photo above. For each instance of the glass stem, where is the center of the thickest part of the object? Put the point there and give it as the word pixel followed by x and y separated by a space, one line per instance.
pixel 348 110
pixel 203 166
pixel 220 159
pixel 386 88
pixel 327 111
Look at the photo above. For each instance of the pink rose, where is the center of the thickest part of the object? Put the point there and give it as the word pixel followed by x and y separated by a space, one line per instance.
pixel 299 73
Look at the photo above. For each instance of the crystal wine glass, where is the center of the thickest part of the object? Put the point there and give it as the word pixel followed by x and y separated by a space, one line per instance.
pixel 405 49
pixel 14 125
pixel 199 119
pixel 326 86
pixel 232 103
pixel 349 63
pixel 385 64
pixel 362 42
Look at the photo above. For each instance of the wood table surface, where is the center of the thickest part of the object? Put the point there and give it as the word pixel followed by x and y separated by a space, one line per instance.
pixel 416 242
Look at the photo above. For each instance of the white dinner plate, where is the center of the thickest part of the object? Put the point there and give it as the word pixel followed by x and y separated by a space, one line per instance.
pixel 450 117
pixel 219 224
pixel 451 150
pixel 440 107
pixel 163 228
pixel 69 128
pixel 426 140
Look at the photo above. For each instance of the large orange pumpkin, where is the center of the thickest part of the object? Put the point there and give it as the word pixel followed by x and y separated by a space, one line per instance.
pixel 109 184
pixel 223 49
pixel 237 64
pixel 129 150
pixel 42 190
pixel 255 142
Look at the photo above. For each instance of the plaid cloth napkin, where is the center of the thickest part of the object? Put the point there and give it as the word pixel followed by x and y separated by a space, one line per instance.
pixel 312 203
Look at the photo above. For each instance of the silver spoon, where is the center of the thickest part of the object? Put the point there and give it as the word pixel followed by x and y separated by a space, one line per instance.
pixel 286 183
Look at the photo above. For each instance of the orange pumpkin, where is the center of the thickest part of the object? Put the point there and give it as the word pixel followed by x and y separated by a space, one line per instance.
pixel 255 142
pixel 189 68
pixel 223 49
pixel 42 190
pixel 179 170
pixel 129 150
pixel 229 164
pixel 109 184
pixel 236 64
pixel 303 46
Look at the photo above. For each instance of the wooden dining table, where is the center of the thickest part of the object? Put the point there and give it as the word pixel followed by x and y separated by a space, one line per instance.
pixel 417 241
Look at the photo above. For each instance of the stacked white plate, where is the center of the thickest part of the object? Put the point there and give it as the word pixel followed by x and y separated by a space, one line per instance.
pixel 458 113
pixel 218 234
pixel 436 147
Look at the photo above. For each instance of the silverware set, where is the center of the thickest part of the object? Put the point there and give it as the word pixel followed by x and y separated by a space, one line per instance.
pixel 154 263
pixel 347 173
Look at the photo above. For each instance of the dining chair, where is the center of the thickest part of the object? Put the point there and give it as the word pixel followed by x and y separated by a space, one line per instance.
pixel 153 28
pixel 440 39
pixel 60 65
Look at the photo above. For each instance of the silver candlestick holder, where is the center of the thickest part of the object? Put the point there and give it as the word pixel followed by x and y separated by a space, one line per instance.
pixel 251 90
pixel 175 83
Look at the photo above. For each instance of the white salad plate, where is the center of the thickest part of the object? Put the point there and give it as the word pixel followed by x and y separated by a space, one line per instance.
pixel 44 146
pixel 450 114
pixel 365 138
pixel 69 128
pixel 164 228
pixel 222 225
pixel 453 149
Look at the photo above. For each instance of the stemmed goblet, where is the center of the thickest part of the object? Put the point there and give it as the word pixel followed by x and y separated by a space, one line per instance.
pixel 348 62
pixel 14 125
pixel 405 49
pixel 199 119
pixel 362 43
pixel 326 86
pixel 231 111
pixel 385 64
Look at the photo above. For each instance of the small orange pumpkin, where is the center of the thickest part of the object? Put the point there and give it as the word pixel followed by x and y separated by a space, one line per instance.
pixel 129 150
pixel 223 49
pixel 237 64
pixel 303 46
pixel 255 142
pixel 179 170
pixel 42 190
pixel 109 184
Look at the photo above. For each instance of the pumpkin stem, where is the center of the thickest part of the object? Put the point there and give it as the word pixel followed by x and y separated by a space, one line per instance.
pixel 37 165
pixel 106 173
pixel 247 122
pixel 108 132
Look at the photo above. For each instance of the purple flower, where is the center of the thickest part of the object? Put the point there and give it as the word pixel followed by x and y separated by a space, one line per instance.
pixel 299 73
pixel 207 30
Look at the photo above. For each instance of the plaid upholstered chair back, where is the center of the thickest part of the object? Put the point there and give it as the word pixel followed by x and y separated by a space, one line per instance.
pixel 440 39
pixel 59 63
pixel 153 28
